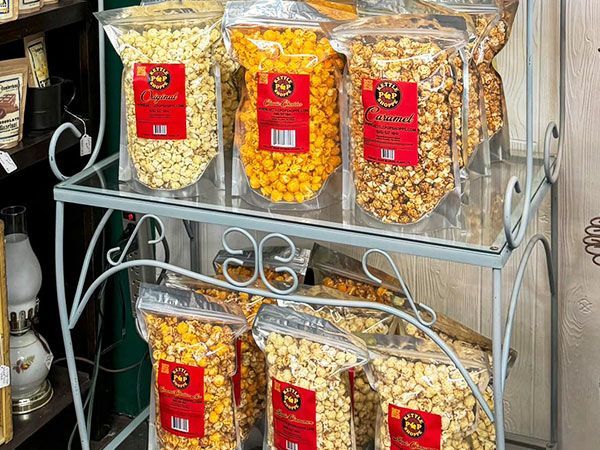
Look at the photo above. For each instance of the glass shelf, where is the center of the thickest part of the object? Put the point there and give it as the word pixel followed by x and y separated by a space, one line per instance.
pixel 478 239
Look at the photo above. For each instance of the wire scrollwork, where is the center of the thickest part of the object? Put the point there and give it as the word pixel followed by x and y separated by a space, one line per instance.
pixel 407 293
pixel 123 254
pixel 259 265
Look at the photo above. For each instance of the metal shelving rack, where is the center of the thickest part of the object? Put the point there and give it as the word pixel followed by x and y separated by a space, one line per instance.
pixel 488 241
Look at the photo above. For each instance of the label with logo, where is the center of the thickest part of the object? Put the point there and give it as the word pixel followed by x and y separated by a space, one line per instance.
pixel 414 430
pixel 181 399
pixel 294 417
pixel 283 112
pixel 391 122
pixel 159 95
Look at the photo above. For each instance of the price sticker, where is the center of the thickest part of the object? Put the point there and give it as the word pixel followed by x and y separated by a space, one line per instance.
pixel 7 162
pixel 85 145
pixel 4 376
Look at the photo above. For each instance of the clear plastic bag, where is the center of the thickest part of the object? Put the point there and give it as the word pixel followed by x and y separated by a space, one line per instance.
pixel 353 320
pixel 249 381
pixel 172 90
pixel 334 269
pixel 470 121
pixel 403 164
pixel 287 152
pixel 423 397
pixel 309 403
pixel 492 21
pixel 192 342
pixel 229 69
pixel 270 255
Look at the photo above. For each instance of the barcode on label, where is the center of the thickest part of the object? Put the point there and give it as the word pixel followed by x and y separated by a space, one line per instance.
pixel 179 424
pixel 388 154
pixel 291 445
pixel 159 130
pixel 283 138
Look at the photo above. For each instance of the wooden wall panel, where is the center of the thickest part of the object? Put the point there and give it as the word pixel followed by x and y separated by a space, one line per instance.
pixel 579 197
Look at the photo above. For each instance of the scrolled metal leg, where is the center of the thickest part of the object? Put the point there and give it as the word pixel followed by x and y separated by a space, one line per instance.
pixel 64 325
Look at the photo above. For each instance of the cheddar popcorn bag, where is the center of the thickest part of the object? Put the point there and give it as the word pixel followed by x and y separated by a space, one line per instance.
pixel 287 151
pixel 403 163
pixel 309 402
pixel 172 136
pixel 192 340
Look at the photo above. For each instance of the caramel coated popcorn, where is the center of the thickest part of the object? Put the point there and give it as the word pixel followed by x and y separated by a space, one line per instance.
pixel 484 437
pixel 197 344
pixel 293 169
pixel 494 41
pixel 423 383
pixel 315 367
pixel 400 87
pixel 474 135
pixel 360 290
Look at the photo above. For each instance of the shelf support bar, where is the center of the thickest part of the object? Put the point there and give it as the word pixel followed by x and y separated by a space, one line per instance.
pixel 64 325
pixel 497 332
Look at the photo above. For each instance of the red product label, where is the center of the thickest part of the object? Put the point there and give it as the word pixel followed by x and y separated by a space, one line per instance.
pixel 351 377
pixel 283 112
pixel 181 399
pixel 237 377
pixel 414 430
pixel 391 122
pixel 294 417
pixel 159 95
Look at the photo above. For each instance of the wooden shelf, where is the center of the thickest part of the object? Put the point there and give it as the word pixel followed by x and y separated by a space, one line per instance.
pixel 34 148
pixel 49 17
pixel 24 426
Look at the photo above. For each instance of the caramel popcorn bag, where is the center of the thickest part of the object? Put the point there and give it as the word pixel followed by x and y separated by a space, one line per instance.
pixel 287 152
pixel 467 100
pixel 492 21
pixel 172 135
pixel 309 401
pixel 403 163
pixel 192 340
pixel 423 399
pixel 249 381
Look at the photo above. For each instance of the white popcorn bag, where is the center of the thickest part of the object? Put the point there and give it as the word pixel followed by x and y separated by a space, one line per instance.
pixel 172 135
pixel 424 400
pixel 309 401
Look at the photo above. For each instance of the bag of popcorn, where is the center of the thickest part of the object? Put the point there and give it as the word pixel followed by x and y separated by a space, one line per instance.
pixel 492 21
pixel 287 152
pixel 470 124
pixel 249 381
pixel 352 320
pixel 309 402
pixel 423 399
pixel 403 163
pixel 172 138
pixel 192 341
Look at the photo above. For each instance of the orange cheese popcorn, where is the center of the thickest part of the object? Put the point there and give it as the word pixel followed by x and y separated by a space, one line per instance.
pixel 295 63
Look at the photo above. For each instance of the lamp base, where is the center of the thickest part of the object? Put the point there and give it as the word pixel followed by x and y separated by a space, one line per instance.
pixel 37 400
